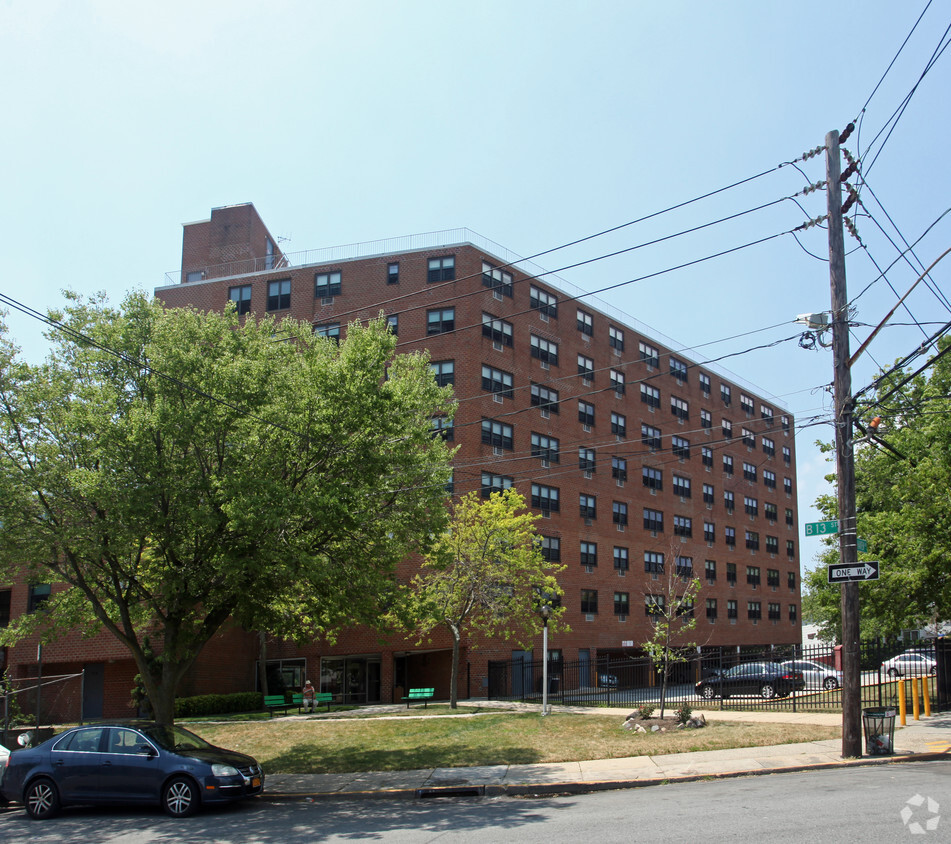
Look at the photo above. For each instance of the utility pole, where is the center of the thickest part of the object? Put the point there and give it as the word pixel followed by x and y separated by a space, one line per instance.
pixel 845 464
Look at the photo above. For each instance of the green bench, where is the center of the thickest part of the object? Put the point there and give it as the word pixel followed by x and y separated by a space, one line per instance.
pixel 323 697
pixel 275 702
pixel 425 695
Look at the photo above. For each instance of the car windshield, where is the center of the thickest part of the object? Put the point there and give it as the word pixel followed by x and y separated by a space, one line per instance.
pixel 175 738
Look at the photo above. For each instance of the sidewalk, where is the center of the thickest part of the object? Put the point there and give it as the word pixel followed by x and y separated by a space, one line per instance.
pixel 927 739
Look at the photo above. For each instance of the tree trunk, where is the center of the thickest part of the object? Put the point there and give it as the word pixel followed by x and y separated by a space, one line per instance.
pixel 663 687
pixel 455 668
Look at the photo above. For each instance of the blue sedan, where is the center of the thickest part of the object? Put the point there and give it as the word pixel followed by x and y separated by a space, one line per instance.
pixel 128 763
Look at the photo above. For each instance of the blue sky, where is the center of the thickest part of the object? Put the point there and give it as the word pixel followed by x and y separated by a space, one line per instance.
pixel 531 123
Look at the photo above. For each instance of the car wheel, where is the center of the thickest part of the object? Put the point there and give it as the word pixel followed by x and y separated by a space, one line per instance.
pixel 41 799
pixel 708 692
pixel 830 683
pixel 767 690
pixel 180 798
pixel 893 673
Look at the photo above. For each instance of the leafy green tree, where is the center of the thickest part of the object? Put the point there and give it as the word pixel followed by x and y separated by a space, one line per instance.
pixel 485 574
pixel 903 478
pixel 672 617
pixel 177 469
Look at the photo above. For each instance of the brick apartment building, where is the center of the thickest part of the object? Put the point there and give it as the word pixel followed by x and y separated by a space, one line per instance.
pixel 636 457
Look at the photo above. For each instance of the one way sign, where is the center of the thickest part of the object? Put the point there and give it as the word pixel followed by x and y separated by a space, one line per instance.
pixel 850 574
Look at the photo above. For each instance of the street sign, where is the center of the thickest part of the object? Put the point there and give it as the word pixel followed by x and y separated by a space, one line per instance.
pixel 851 574
pixel 822 528
pixel 861 545
pixel 627 643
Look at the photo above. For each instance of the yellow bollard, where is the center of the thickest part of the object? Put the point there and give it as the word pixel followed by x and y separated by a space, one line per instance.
pixel 915 705
pixel 926 693
pixel 902 708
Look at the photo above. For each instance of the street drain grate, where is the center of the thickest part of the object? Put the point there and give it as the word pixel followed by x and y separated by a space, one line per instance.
pixel 451 791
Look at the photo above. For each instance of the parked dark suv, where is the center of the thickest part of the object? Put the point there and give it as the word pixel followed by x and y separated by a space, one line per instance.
pixel 767 679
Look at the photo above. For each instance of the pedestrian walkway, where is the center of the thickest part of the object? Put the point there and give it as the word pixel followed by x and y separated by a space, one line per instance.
pixel 927 739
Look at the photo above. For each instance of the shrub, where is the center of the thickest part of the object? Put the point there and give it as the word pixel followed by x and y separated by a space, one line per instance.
pixel 645 711
pixel 190 707
pixel 683 714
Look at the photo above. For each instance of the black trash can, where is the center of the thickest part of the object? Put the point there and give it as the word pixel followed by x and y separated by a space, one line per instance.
pixel 879 725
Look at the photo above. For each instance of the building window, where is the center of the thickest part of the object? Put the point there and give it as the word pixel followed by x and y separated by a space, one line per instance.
pixel 731 574
pixel 791 549
pixel 441 269
pixel 753 610
pixel 622 605
pixel 726 428
pixel 5 606
pixel 543 302
pixel 444 370
pixel 650 395
pixel 497 381
pixel 393 323
pixel 498 281
pixel 544 350
pixel 683 526
pixel 615 338
pixel 706 419
pixel 588 506
pixel 678 369
pixel 729 537
pixel 621 562
pixel 442 426
pixel 792 612
pixel 544 398
pixel 750 506
pixel 729 501
pixel 241 296
pixel 496 434
pixel 679 408
pixel 706 455
pixel 619 511
pixel 787 486
pixel 766 412
pixel 585 323
pixel 545 498
pixel 746 404
pixel 708 493
pixel 326 285
pixel 619 424
pixel 619 468
pixel 589 601
pixel 685 567
pixel 772 546
pixel 752 575
pixel 769 510
pixel 654 605
pixel 652 478
pixel 749 439
pixel 545 447
pixel 279 295
pixel 551 549
pixel 585 366
pixel 680 446
pixel 681 486
pixel 752 540
pixel 787 455
pixel 769 479
pixel 709 532
pixel 725 395
pixel 711 608
pixel 585 413
pixel 710 570
pixel 494 483
pixel 38 594
pixel 393 272
pixel 727 465
pixel 330 330
pixel 587 460
pixel 653 520
pixel 653 562
pixel 790 517
pixel 589 553
pixel 769 447
pixel 498 330
pixel 791 579
pixel 772 578
pixel 440 321
pixel 617 382
pixel 749 472
pixel 705 384
pixel 731 609
pixel 650 436
pixel 649 354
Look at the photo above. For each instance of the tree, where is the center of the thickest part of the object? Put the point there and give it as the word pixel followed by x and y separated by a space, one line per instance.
pixel 177 469
pixel 485 574
pixel 672 615
pixel 903 474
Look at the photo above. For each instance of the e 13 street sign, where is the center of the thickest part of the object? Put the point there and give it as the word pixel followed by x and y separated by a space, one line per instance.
pixel 849 574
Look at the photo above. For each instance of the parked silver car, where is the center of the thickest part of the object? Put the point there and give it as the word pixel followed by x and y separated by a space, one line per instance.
pixel 816 675
pixel 909 664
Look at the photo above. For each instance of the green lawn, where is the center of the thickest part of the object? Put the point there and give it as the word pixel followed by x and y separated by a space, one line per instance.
pixel 343 745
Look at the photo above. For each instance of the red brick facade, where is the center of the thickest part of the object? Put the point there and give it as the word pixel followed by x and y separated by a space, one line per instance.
pixel 513 342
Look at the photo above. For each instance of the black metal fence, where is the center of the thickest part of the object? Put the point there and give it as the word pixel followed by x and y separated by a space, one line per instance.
pixel 621 679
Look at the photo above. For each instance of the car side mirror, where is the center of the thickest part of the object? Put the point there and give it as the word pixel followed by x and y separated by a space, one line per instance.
pixel 146 749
